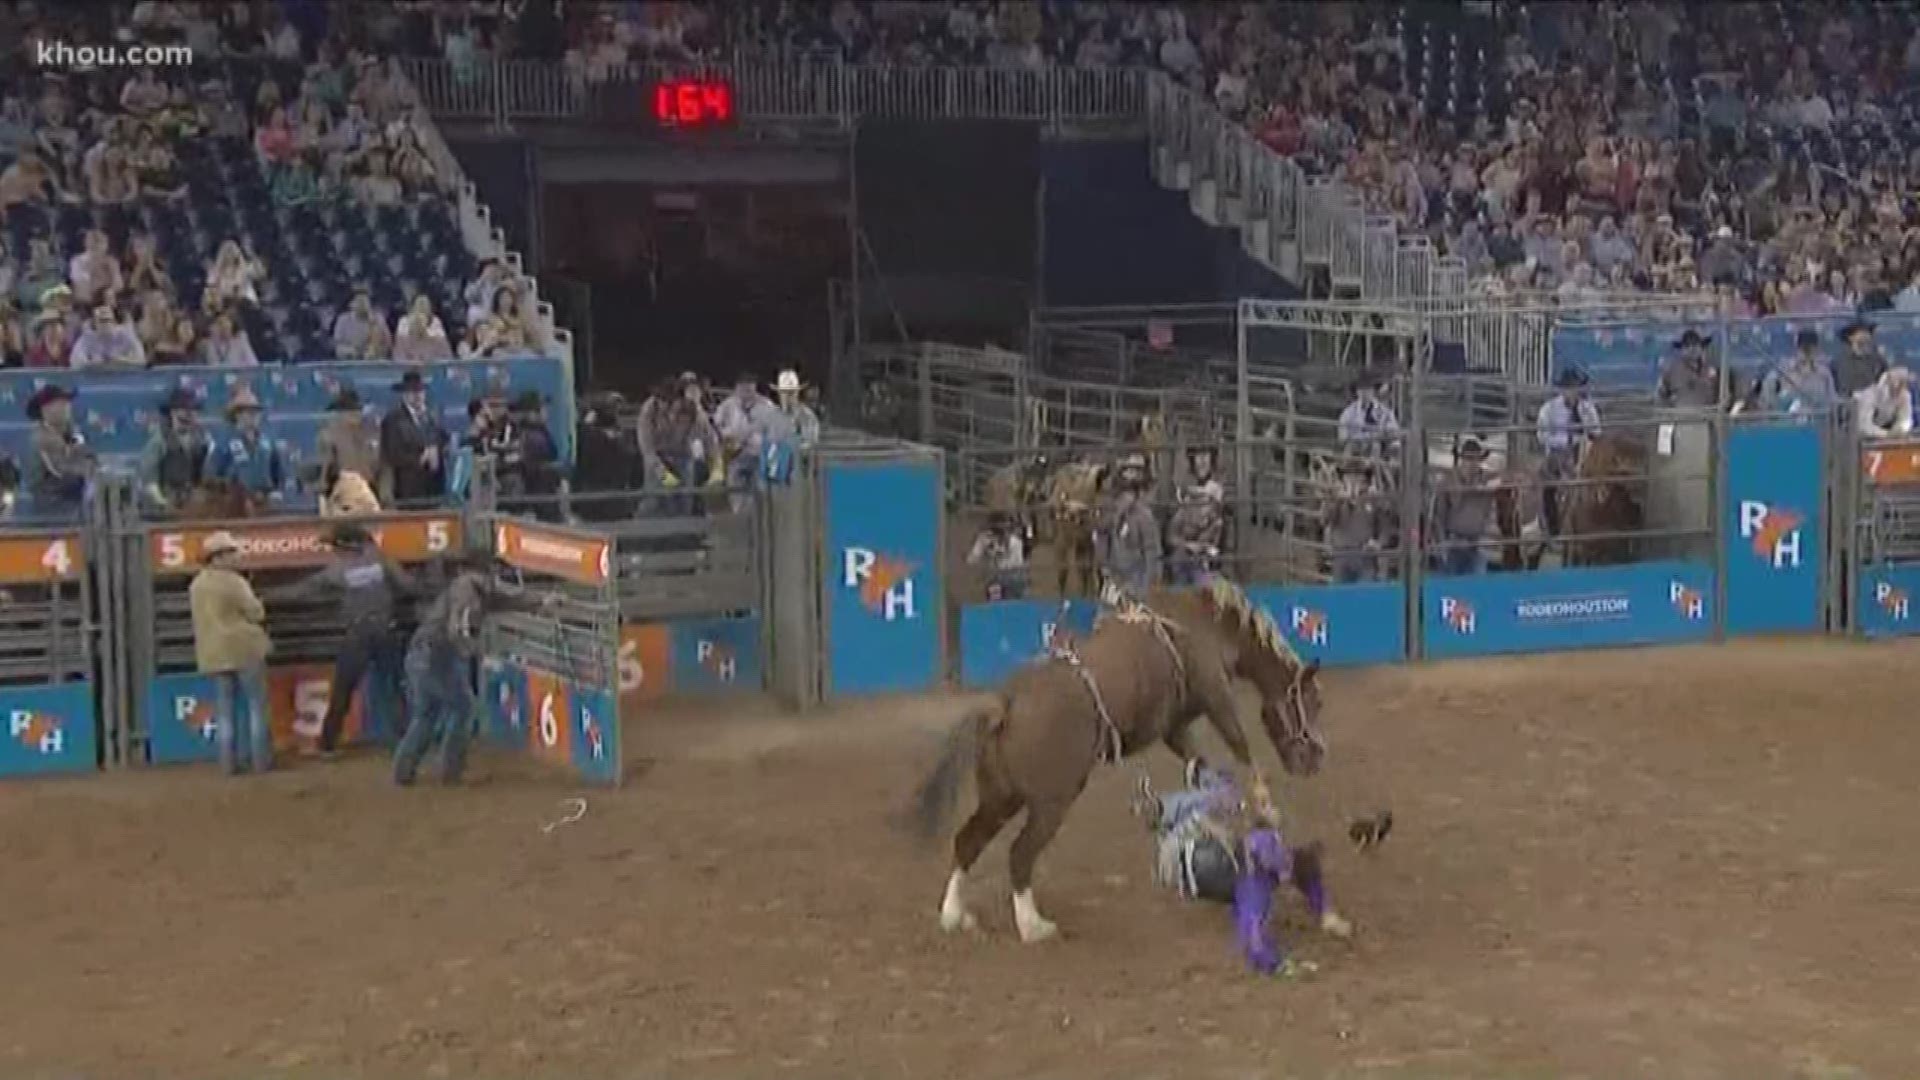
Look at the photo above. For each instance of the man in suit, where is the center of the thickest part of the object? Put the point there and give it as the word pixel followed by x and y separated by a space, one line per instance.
pixel 412 444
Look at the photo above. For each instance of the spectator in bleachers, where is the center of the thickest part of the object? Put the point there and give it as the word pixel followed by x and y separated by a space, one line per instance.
pixel 1803 383
pixel 144 93
pixel 295 183
pixel 16 126
pixel 378 187
pixel 480 291
pixel 107 342
pixel 111 182
pixel 420 336
pixel 274 140
pixel 1884 410
pixel 245 455
pixel 1861 362
pixel 52 342
pixel 13 334
pixel 154 167
pixel 57 303
pixel 510 317
pixel 155 323
pixel 9 273
pixel 226 118
pixel 180 345
pixel 412 443
pixel 360 332
pixel 227 345
pixel 60 462
pixel 94 273
pixel 483 341
pixel 232 277
pixel 143 272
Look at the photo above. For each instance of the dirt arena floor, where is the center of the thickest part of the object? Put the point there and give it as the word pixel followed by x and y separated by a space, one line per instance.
pixel 1691 863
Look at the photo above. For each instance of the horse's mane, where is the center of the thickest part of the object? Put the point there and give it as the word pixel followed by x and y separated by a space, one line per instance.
pixel 1233 600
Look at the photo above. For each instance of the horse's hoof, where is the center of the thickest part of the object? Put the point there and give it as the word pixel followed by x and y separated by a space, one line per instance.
pixel 1333 925
pixel 954 921
pixel 1034 928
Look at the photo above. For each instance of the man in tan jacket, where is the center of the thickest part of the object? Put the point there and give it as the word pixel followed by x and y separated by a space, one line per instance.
pixel 230 644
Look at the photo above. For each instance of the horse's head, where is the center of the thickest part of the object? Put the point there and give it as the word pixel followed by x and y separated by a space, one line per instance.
pixel 1289 687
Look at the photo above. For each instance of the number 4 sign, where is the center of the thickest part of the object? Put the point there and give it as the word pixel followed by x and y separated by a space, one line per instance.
pixel 30 560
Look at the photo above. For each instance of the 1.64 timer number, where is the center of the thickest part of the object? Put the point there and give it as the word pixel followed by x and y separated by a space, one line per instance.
pixel 689 103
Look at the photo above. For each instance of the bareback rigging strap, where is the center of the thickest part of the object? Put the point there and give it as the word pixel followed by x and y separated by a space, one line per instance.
pixel 1111 746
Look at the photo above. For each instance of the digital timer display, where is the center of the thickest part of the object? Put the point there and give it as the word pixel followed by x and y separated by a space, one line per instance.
pixel 693 103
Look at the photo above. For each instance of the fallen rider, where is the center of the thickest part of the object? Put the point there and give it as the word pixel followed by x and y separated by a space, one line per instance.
pixel 1213 843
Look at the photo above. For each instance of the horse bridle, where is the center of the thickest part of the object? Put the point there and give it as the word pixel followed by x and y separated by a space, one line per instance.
pixel 1293 714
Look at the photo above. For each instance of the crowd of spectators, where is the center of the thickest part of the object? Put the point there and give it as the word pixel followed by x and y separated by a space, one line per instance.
pixel 1758 150
pixel 129 235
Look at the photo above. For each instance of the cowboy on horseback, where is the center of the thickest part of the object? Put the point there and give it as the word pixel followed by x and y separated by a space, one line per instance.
pixel 1199 521
pixel 1214 843
pixel 1567 423
pixel 175 458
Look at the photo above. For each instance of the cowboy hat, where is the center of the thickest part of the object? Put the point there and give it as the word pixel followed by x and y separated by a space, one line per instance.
pixel 45 396
pixel 1692 337
pixel 1569 377
pixel 788 382
pixel 1470 449
pixel 527 401
pixel 347 400
pixel 411 381
pixel 57 292
pixel 219 543
pixel 177 399
pixel 243 400
pixel 1857 326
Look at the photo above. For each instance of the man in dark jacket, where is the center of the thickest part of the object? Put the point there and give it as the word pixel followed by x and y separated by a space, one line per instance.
pixel 606 461
pixel 62 462
pixel 366 582
pixel 176 455
pixel 412 444
pixel 1860 364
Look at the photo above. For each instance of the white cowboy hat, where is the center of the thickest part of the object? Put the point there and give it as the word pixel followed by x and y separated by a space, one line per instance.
pixel 218 543
pixel 788 382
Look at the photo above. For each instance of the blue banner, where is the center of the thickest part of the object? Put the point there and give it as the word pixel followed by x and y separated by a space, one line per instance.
pixel 49 730
pixel 997 638
pixel 1773 524
pixel 1623 355
pixel 1340 625
pixel 1546 610
pixel 1883 600
pixel 882 577
pixel 557 721
pixel 180 722
pixel 710 655
pixel 116 410
pixel 503 702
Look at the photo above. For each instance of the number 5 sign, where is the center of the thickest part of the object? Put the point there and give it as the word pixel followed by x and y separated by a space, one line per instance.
pixel 39 560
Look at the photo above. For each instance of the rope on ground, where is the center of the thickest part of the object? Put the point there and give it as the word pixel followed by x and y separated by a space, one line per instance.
pixel 576 809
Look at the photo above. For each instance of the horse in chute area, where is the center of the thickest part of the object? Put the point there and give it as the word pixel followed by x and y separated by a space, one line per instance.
pixel 1073 493
pixel 1018 490
pixel 1608 501
pixel 1141 679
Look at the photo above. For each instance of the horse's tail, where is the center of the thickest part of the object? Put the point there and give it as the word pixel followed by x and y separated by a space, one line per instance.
pixel 933 802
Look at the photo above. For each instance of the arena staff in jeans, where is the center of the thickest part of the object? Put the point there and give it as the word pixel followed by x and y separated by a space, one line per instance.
pixel 366 582
pixel 230 644
pixel 439 697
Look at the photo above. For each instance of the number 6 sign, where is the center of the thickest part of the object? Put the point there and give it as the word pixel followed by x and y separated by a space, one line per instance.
pixel 550 736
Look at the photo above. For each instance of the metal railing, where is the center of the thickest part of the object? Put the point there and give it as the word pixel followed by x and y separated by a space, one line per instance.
pixel 502 91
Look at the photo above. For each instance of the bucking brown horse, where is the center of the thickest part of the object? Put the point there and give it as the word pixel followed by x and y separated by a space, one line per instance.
pixel 1140 680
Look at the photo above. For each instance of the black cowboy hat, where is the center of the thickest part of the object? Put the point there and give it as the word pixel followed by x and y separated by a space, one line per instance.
pixel 1858 325
pixel 347 400
pixel 45 396
pixel 179 398
pixel 412 380
pixel 1470 448
pixel 1808 338
pixel 1569 377
pixel 348 534
pixel 527 401
pixel 1692 337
